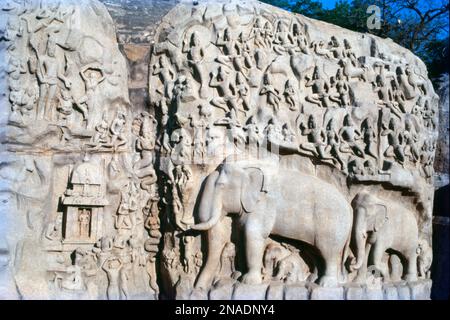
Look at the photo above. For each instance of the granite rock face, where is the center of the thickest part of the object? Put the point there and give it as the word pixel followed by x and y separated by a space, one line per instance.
pixel 228 150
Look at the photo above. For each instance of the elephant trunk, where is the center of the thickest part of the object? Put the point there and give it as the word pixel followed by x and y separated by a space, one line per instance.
pixel 359 233
pixel 214 214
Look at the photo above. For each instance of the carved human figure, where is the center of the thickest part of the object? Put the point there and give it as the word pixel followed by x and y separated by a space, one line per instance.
pixel 84 222
pixel 54 230
pixel 199 140
pixel 254 135
pixel 336 48
pixel 348 52
pixel 23 102
pixel 320 88
pixel 403 82
pixel 92 77
pixel 411 139
pixel 258 33
pixel 195 56
pixel 101 132
pixel 73 280
pixel 227 99
pixel 395 141
pixel 273 131
pixel 299 39
pixel 428 115
pixel 342 89
pixel 166 74
pixel 333 143
pixel 427 158
pixel 288 134
pixel 283 39
pixel 290 96
pixel 127 208
pixel 112 267
pixel 272 94
pixel 243 92
pixel 49 73
pixel 424 259
pixel 316 138
pixel 117 130
pixel 268 34
pixel 350 135
pixel 369 137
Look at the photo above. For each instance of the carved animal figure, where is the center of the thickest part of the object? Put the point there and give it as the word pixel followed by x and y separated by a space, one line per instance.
pixel 281 263
pixel 266 202
pixel 379 226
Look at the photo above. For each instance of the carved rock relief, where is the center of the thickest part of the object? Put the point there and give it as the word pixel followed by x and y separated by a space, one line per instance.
pixel 250 97
pixel 278 156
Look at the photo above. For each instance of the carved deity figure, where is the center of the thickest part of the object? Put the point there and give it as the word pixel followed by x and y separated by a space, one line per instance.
pixel 320 88
pixel 290 95
pixel 316 138
pixel 166 74
pixel 369 137
pixel 272 94
pixel 49 73
pixel 195 56
pixel 117 130
pixel 333 143
pixel 350 135
pixel 395 141
pixel 84 222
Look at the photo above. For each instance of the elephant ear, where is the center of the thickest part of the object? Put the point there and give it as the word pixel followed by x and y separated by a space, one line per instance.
pixel 380 216
pixel 252 187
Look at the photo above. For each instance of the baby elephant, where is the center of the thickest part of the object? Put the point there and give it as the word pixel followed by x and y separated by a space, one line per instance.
pixel 285 264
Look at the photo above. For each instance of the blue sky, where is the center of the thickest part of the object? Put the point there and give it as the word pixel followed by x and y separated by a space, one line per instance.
pixel 328 3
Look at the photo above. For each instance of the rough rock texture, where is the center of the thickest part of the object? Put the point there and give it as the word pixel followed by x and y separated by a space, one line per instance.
pixel 441 164
pixel 221 150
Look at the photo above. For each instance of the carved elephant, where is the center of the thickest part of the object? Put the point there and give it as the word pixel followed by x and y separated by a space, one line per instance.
pixel 284 264
pixel 268 201
pixel 379 226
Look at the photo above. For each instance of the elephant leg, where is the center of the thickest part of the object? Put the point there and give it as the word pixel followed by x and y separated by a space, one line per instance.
pixel 378 252
pixel 362 272
pixel 218 236
pixel 254 250
pixel 332 267
pixel 411 273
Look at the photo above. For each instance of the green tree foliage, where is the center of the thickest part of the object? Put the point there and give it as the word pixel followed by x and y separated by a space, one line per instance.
pixel 419 25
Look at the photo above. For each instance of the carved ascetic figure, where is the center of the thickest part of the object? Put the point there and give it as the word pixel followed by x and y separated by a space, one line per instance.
pixel 49 73
pixel 251 189
pixel 379 226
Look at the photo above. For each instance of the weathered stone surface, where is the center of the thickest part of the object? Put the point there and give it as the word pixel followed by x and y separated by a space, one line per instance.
pixel 420 290
pixel 249 292
pixel 404 292
pixel 296 292
pixel 354 292
pixel 222 292
pixel 275 292
pixel 321 293
pixel 185 148
pixel 390 292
